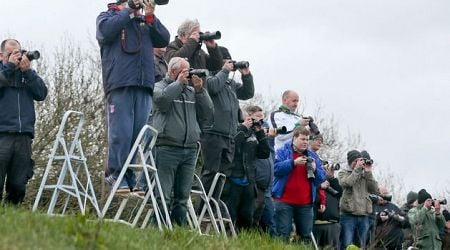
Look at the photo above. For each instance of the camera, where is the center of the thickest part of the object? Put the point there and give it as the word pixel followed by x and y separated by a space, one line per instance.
pixel 309 168
pixel 331 190
pixel 312 126
pixel 282 130
pixel 140 5
pixel 442 202
pixel 257 123
pixel 31 54
pixel 332 167
pixel 375 197
pixel 240 65
pixel 367 161
pixel 198 72
pixel 392 214
pixel 215 35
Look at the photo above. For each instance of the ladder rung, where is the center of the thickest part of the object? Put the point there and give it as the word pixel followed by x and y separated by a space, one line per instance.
pixel 72 158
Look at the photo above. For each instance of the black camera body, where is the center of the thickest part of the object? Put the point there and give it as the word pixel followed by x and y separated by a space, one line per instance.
pixel 282 130
pixel 31 54
pixel 257 123
pixel 367 161
pixel 309 168
pixel 312 126
pixel 140 5
pixel 386 197
pixel 392 215
pixel 198 72
pixel 214 35
pixel 240 65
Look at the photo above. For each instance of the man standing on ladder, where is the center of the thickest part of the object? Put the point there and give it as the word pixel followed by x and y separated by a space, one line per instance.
pixel 127 39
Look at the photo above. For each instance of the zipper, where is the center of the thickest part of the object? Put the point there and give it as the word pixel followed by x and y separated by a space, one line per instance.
pixel 18 105
pixel 185 117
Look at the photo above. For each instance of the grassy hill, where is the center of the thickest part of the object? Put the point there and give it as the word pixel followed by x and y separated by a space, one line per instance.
pixel 22 229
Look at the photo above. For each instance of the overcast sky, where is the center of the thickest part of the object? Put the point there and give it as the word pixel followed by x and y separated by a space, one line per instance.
pixel 382 68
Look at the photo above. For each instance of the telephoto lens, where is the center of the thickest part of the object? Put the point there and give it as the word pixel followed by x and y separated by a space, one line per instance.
pixel 31 54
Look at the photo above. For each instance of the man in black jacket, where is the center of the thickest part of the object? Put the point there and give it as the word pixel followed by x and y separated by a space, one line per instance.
pixel 187 44
pixel 389 222
pixel 251 143
pixel 20 86
pixel 218 140
pixel 326 225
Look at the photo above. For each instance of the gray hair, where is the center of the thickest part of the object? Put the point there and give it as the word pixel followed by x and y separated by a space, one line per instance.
pixel 175 63
pixel 188 26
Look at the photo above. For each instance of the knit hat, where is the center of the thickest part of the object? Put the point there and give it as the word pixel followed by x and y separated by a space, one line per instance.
pixel 121 1
pixel 423 196
pixel 353 155
pixel 225 53
pixel 411 197
pixel 316 137
pixel 365 155
pixel 446 215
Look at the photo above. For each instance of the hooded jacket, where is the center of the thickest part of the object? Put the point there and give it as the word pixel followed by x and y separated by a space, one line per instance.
pixel 126 48
pixel 18 91
pixel 179 113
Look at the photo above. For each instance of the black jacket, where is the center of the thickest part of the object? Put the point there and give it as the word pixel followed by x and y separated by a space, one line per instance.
pixel 389 233
pixel 197 58
pixel 225 93
pixel 18 91
pixel 249 146
pixel 331 212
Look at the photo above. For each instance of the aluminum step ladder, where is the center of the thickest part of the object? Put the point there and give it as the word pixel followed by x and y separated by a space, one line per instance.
pixel 67 158
pixel 140 159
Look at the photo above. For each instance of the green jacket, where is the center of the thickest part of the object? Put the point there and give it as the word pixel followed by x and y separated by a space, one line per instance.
pixel 425 226
pixel 357 185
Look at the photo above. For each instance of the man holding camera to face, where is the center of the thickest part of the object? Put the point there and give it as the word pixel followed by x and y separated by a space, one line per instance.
pixel 240 191
pixel 20 86
pixel 357 182
pixel 426 220
pixel 127 37
pixel 218 140
pixel 180 112
pixel 188 44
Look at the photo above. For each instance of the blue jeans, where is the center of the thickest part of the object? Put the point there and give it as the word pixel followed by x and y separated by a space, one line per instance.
pixel 303 216
pixel 267 220
pixel 127 112
pixel 176 167
pixel 351 226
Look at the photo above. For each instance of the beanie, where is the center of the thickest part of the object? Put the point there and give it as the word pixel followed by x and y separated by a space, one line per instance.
pixel 316 137
pixel 423 196
pixel 365 155
pixel 225 53
pixel 353 155
pixel 411 197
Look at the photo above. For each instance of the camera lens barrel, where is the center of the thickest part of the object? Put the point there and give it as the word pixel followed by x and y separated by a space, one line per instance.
pixel 215 35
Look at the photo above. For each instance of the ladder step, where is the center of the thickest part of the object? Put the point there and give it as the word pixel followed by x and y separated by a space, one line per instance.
pixel 72 158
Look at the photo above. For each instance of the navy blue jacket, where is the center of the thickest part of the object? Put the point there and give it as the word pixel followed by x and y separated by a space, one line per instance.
pixel 284 164
pixel 126 48
pixel 18 91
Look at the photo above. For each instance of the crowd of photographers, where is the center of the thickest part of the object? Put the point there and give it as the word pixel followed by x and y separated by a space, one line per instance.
pixel 276 180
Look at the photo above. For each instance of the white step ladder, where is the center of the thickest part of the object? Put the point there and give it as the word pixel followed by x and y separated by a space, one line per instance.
pixel 67 158
pixel 141 159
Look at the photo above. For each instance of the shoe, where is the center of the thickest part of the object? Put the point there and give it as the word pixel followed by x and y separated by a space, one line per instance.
pixel 123 189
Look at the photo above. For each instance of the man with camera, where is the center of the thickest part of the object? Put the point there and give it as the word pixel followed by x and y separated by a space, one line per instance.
pixel 180 112
pixel 188 44
pixel 297 174
pixel 285 119
pixel 426 220
pixel 326 225
pixel 357 182
pixel 389 222
pixel 240 191
pixel 218 140
pixel 411 202
pixel 20 86
pixel 127 38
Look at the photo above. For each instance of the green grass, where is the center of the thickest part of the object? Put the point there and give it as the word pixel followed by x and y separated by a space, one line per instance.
pixel 22 229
